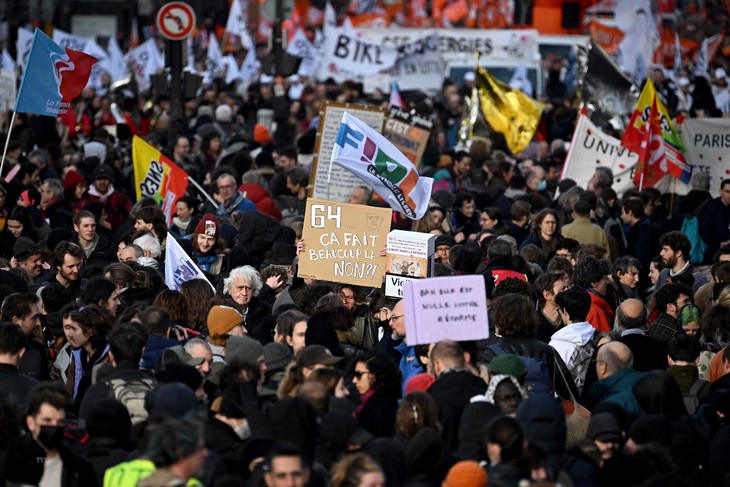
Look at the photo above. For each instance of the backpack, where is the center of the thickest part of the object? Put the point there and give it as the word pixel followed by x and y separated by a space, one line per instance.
pixel 537 379
pixel 691 397
pixel 580 360
pixel 691 228
pixel 132 394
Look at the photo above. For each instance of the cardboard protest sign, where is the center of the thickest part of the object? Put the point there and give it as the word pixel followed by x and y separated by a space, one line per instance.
pixel 330 181
pixel 409 132
pixel 343 242
pixel 453 307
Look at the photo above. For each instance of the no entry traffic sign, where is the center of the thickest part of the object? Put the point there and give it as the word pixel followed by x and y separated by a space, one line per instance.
pixel 176 20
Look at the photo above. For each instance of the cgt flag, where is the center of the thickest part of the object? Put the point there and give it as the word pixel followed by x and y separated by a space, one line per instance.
pixel 156 176
pixel 374 159
pixel 179 267
pixel 652 135
pixel 53 77
pixel 507 110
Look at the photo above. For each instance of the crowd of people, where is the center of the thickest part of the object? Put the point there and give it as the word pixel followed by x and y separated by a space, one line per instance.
pixel 609 326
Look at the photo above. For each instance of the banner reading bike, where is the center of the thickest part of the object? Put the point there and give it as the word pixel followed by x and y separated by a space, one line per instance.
pixel 156 176
pixel 343 242
pixel 349 57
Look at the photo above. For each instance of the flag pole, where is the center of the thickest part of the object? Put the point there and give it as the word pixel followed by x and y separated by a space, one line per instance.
pixel 205 193
pixel 7 141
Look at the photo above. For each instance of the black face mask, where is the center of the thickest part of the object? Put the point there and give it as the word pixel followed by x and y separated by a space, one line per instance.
pixel 384 323
pixel 51 437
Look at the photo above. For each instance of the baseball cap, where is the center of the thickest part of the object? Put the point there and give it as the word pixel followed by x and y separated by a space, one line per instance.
pixel 312 355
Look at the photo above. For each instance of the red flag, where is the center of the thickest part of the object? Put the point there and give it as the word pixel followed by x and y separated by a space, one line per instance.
pixel 648 142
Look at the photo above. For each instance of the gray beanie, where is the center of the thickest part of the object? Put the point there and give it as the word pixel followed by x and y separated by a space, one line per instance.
pixel 243 351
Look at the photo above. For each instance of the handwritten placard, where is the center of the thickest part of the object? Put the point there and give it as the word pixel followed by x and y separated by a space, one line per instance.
pixel 409 132
pixel 343 242
pixel 453 307
pixel 330 181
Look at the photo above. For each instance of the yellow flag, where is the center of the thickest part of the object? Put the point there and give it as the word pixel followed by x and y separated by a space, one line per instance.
pixel 508 110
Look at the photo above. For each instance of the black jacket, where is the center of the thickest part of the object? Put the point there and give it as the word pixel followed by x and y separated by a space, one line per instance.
pixel 378 415
pixel 17 384
pixel 649 353
pixel 451 392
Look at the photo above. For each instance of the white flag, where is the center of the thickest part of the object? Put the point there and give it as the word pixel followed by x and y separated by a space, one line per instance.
pixel 117 65
pixel 22 47
pixel 236 23
pixel 215 63
pixel 179 267
pixel 145 61
pixel 374 159
pixel 300 46
pixel 7 63
pixel 590 148
pixel 248 70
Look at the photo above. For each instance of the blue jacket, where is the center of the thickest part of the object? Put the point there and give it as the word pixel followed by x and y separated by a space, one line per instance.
pixel 409 364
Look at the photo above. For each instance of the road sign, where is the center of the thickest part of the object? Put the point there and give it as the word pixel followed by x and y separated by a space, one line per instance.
pixel 176 20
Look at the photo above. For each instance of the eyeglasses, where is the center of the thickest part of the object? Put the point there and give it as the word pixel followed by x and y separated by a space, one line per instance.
pixel 226 186
pixel 395 317
pixel 359 373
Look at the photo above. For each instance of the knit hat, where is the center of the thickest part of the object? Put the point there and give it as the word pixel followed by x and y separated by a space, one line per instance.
pixel 208 225
pixel 72 178
pixel 109 418
pixel 223 114
pixel 103 171
pixel 445 240
pixel 652 428
pixel 243 351
pixel 604 427
pixel 312 355
pixel 509 364
pixel 465 474
pixel 222 319
pixel 261 134
pixel 24 248
pixel 419 382
pixel 180 373
pixel 277 356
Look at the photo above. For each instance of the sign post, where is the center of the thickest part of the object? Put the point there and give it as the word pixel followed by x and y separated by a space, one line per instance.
pixel 175 22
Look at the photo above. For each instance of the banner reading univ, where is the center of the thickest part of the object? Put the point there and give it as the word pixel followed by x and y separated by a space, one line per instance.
pixel 156 176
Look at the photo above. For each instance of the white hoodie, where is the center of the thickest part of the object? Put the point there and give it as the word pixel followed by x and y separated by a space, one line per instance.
pixel 566 339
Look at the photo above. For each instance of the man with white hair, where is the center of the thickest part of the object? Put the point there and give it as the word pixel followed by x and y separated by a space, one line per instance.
pixel 149 244
pixel 243 285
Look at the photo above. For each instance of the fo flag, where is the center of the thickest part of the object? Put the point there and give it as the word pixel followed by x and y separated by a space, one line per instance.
pixel 156 176
pixel 374 159
pixel 53 77
pixel 179 267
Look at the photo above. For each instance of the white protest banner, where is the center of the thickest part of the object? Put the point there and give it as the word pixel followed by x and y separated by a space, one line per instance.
pixel 590 148
pixel 420 65
pixel 439 308
pixel 343 242
pixel 300 46
pixel 348 57
pixel 380 164
pixel 179 267
pixel 337 184
pixel 145 61
pixel 22 47
pixel 8 89
pixel 707 148
pixel 459 45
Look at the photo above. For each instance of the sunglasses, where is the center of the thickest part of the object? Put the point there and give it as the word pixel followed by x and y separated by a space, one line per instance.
pixel 359 373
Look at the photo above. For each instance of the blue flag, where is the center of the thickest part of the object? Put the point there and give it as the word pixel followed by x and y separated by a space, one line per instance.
pixel 53 77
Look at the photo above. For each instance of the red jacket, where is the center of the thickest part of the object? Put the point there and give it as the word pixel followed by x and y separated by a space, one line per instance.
pixel 261 198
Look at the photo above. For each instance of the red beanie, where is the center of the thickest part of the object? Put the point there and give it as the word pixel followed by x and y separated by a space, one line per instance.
pixel 72 178
pixel 208 225
pixel 261 134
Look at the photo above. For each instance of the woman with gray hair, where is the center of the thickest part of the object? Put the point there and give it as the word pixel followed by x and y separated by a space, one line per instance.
pixel 243 285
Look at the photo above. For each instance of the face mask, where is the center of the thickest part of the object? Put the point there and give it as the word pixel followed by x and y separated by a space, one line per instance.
pixel 243 431
pixel 51 437
pixel 541 185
